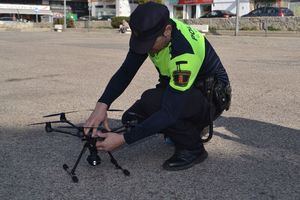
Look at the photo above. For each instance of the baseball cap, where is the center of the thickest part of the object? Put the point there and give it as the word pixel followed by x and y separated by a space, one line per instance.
pixel 147 22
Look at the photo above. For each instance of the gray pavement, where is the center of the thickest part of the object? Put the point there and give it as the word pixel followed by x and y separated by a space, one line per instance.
pixel 253 155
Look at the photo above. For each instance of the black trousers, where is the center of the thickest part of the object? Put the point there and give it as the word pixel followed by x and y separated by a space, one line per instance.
pixel 185 133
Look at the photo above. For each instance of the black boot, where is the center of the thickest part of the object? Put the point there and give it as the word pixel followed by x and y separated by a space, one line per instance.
pixel 184 159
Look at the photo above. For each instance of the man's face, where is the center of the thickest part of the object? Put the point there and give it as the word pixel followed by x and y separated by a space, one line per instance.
pixel 159 44
pixel 162 41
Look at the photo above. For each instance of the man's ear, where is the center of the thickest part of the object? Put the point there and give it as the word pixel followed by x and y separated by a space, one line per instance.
pixel 168 30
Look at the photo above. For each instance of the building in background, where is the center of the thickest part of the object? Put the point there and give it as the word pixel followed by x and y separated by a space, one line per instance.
pixel 293 5
pixel 186 9
pixel 46 10
pixel 103 8
pixel 26 11
pixel 77 7
pixel 107 8
pixel 230 5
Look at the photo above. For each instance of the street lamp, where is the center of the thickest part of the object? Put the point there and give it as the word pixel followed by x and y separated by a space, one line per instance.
pixel 65 14
pixel 237 17
pixel 90 9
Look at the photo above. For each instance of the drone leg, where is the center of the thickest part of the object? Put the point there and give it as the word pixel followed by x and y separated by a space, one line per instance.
pixel 70 123
pixel 72 172
pixel 64 132
pixel 114 161
pixel 79 157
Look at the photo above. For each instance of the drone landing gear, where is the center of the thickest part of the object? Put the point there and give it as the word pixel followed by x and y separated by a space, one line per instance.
pixel 73 175
pixel 114 161
pixel 93 159
pixel 72 172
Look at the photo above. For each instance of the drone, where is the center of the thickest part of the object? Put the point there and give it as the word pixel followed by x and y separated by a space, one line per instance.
pixel 90 142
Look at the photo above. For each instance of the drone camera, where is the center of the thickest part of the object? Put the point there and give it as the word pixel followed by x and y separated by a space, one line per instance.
pixel 93 159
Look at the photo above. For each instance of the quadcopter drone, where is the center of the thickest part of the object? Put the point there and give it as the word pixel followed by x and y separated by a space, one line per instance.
pixel 90 142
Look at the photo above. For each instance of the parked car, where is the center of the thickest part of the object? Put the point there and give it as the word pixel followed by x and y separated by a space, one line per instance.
pixel 6 19
pixel 86 18
pixel 218 13
pixel 270 11
pixel 106 17
pixel 102 17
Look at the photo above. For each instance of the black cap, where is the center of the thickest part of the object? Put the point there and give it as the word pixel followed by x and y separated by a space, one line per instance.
pixel 147 22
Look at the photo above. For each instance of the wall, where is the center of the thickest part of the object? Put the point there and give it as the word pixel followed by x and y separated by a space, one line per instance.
pixel 20 26
pixel 93 24
pixel 251 23
pixel 247 23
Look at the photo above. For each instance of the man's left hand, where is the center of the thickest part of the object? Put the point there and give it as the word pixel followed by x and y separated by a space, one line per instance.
pixel 111 141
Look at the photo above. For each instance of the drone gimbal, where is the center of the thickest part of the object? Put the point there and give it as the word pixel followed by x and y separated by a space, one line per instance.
pixel 90 142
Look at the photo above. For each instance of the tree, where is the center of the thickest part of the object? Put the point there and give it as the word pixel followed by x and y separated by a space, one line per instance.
pixel 145 1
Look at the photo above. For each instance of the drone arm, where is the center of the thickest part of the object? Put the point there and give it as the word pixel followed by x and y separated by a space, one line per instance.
pixel 68 122
pixel 119 129
pixel 64 132
pixel 122 128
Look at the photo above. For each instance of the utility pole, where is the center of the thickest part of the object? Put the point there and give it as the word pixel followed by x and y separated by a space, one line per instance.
pixel 90 10
pixel 237 17
pixel 36 10
pixel 65 14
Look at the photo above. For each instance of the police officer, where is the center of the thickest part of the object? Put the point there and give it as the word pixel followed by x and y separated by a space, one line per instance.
pixel 177 106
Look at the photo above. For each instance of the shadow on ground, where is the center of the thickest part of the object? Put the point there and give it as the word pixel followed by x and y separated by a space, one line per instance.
pixel 268 168
pixel 259 134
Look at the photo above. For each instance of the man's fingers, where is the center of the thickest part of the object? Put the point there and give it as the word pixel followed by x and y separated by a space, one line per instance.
pixel 94 131
pixel 86 131
pixel 106 126
pixel 100 146
pixel 99 134
pixel 103 135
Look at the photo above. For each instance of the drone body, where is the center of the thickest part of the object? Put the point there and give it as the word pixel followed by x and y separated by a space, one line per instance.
pixel 90 142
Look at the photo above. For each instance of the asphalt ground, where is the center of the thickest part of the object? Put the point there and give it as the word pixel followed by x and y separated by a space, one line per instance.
pixel 255 153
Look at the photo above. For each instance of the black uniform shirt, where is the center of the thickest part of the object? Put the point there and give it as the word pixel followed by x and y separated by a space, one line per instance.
pixel 173 100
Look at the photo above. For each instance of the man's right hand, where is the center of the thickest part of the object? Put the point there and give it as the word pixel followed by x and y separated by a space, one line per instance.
pixel 98 116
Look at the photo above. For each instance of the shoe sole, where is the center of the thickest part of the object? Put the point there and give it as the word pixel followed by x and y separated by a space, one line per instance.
pixel 197 161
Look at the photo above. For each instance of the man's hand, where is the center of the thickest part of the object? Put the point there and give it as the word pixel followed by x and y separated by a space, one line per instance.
pixel 98 116
pixel 111 141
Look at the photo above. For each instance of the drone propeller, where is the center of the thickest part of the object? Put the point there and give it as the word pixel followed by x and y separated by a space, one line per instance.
pixel 58 114
pixel 39 123
pixel 111 110
pixel 71 127
pixel 63 113
pixel 116 130
pixel 115 110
